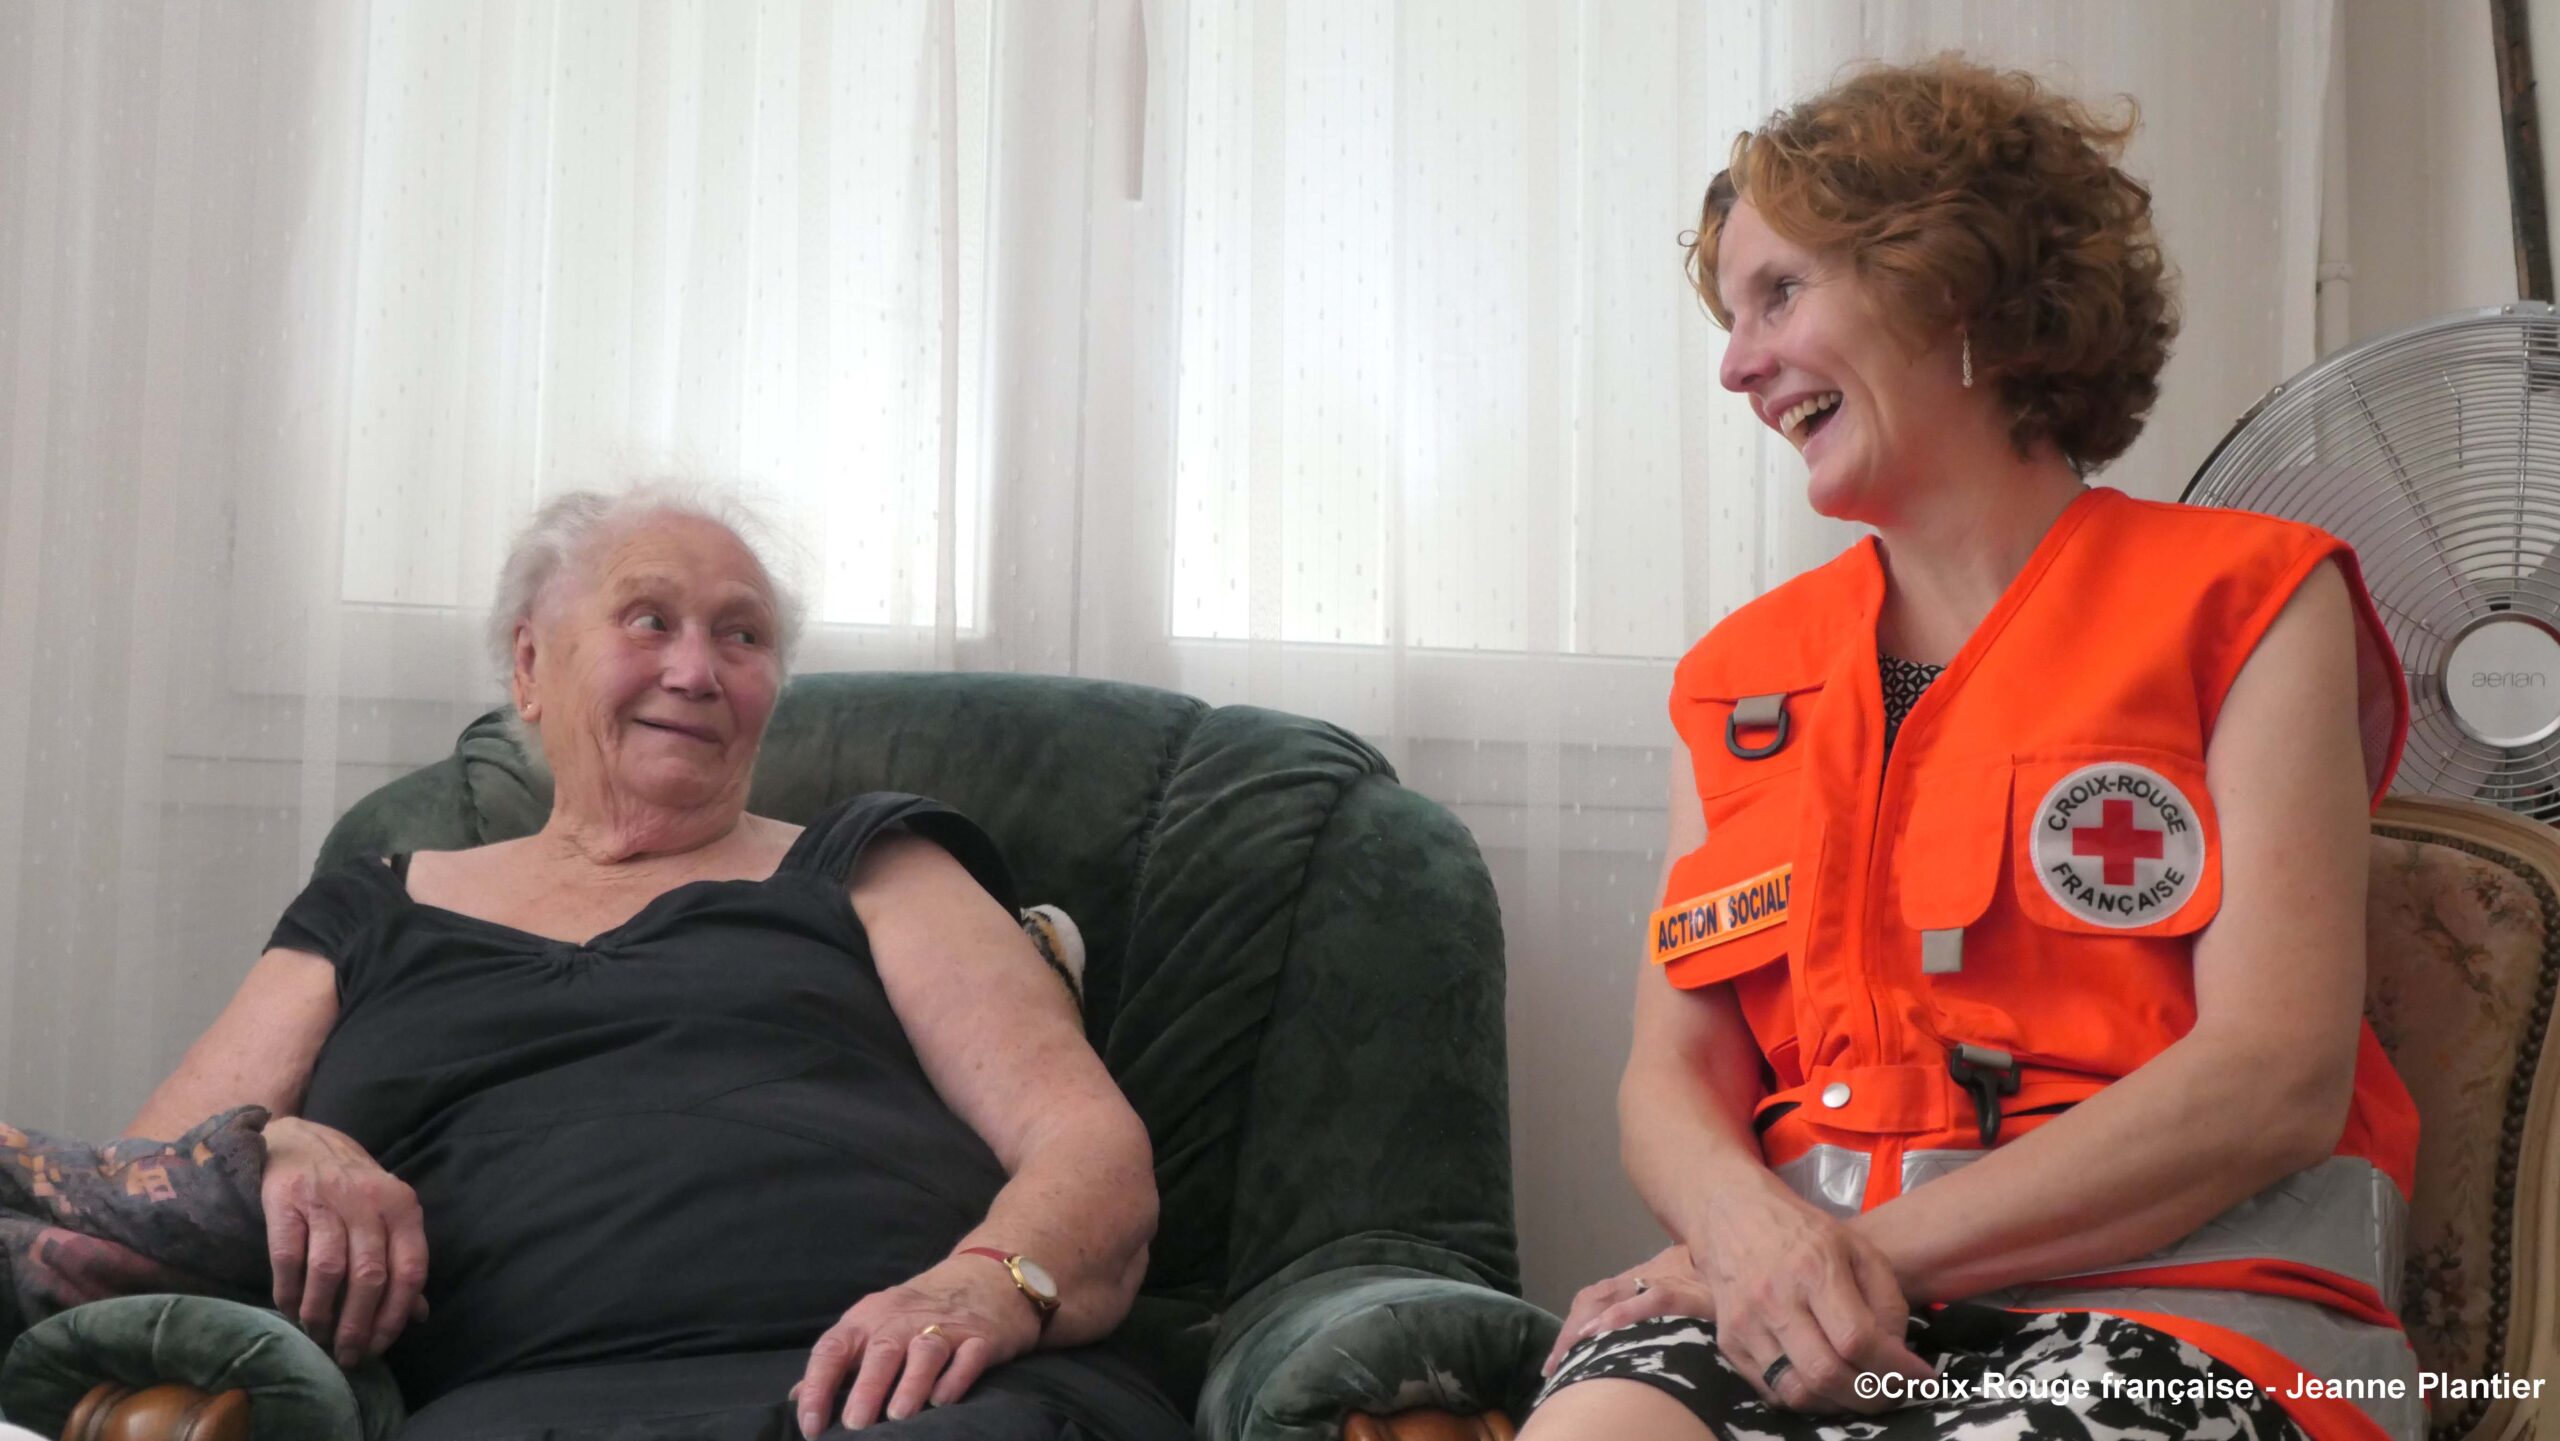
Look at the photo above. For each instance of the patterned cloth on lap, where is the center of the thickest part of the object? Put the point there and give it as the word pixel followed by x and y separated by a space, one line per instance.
pixel 80 1223
pixel 2058 1375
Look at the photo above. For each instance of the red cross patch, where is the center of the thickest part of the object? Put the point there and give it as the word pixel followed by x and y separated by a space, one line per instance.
pixel 2118 845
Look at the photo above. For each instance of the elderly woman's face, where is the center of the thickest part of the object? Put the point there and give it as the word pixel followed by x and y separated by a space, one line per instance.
pixel 1812 350
pixel 652 665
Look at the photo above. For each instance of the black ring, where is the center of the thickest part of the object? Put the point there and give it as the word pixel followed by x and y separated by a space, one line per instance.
pixel 1733 738
pixel 1777 1368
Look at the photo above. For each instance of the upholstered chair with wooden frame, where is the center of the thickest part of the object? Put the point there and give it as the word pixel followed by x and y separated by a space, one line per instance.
pixel 2463 931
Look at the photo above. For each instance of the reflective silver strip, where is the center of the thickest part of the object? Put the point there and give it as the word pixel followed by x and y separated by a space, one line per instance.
pixel 2311 1336
pixel 2342 1216
pixel 1942 952
pixel 1921 1167
pixel 1831 1177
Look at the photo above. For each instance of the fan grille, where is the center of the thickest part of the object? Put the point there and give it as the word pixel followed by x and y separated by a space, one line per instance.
pixel 2435 452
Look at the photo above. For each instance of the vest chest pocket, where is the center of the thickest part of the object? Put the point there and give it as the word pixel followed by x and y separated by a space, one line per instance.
pixel 2115 841
pixel 1725 910
pixel 1948 855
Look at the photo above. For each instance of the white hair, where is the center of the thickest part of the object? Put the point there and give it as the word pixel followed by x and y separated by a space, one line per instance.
pixel 569 524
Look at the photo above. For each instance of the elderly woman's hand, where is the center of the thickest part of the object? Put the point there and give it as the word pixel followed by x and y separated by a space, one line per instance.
pixel 1790 1281
pixel 344 1238
pixel 925 1342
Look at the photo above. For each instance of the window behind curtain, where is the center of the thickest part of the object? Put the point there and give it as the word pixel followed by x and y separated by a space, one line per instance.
pixel 705 237
pixel 1431 327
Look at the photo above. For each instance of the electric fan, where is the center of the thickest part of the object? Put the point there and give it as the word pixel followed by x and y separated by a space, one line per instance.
pixel 2435 452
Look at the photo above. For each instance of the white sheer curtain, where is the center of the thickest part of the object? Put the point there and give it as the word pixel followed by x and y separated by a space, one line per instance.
pixel 1331 356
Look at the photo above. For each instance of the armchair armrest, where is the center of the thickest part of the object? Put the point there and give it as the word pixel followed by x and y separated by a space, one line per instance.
pixel 1380 1346
pixel 148 1343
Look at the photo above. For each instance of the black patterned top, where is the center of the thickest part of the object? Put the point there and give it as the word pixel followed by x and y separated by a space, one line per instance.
pixel 1904 680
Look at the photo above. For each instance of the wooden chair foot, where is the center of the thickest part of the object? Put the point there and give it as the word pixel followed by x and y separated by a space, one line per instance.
pixel 114 1412
pixel 1425 1424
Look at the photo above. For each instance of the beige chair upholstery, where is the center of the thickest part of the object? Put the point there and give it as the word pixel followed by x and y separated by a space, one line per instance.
pixel 2464 932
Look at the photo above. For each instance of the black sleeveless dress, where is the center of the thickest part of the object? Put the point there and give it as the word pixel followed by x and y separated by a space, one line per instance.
pixel 655 1167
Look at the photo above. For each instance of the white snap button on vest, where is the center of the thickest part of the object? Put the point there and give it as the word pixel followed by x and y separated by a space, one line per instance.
pixel 1836 1094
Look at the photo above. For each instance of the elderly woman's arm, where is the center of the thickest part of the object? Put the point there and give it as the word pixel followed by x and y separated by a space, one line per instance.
pixel 2260 1087
pixel 344 1237
pixel 1003 1044
pixel 258 1052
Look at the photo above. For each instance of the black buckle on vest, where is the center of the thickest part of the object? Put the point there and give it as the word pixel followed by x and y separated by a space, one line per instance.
pixel 1989 1075
pixel 1759 712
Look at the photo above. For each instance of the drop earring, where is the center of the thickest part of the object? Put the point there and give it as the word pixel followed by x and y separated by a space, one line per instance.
pixel 1968 360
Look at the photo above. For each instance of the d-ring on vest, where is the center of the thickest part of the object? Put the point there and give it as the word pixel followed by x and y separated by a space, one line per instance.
pixel 1759 712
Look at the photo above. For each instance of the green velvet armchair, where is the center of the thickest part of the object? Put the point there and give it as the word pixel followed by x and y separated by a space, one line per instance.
pixel 1294 968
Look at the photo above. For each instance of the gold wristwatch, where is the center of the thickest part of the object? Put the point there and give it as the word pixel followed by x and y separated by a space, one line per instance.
pixel 1029 1276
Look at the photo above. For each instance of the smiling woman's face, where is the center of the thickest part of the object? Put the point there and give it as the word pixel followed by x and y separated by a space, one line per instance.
pixel 1812 349
pixel 651 669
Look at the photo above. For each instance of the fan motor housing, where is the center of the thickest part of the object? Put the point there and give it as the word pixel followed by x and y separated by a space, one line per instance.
pixel 2502 680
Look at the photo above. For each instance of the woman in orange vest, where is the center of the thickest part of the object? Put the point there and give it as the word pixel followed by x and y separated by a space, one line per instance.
pixel 2006 1073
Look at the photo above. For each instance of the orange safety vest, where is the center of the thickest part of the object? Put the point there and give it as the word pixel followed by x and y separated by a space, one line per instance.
pixel 1940 949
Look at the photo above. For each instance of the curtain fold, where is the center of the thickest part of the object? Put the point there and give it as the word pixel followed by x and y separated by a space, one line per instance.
pixel 1328 356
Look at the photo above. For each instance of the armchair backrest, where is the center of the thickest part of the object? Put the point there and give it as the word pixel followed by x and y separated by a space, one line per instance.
pixel 1294 965
pixel 2463 945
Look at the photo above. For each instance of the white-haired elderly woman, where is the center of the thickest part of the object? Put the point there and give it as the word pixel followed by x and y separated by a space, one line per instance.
pixel 675 1120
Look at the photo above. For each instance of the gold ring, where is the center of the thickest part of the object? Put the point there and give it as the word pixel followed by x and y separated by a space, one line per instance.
pixel 933 1330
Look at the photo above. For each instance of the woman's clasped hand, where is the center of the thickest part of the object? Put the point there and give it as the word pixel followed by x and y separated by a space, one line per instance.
pixel 1781 1280
pixel 923 1343
pixel 344 1238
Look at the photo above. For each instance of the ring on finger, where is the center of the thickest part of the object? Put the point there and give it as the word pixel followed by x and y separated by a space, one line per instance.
pixel 1777 1368
pixel 934 1330
pixel 1643 1285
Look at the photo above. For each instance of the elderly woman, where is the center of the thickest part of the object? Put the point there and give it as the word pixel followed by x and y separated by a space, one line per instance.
pixel 2003 1072
pixel 675 1120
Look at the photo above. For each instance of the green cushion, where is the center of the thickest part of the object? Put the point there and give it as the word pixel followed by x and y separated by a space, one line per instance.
pixel 296 1393
pixel 1375 1338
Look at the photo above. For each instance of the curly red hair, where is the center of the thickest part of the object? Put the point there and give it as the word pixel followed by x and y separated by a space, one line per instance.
pixel 1976 198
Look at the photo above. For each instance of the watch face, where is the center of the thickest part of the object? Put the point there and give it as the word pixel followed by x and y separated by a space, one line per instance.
pixel 1037 1277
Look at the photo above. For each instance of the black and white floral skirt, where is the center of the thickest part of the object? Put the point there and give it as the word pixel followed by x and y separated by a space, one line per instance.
pixel 2066 1375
